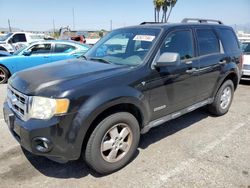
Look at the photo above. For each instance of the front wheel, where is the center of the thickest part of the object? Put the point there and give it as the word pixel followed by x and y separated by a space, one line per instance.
pixel 223 99
pixel 4 75
pixel 113 143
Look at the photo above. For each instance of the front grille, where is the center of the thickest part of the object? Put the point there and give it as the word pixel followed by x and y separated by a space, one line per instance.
pixel 18 102
pixel 246 67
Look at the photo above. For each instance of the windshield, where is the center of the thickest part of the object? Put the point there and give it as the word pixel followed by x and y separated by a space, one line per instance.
pixel 245 47
pixel 124 46
pixel 3 38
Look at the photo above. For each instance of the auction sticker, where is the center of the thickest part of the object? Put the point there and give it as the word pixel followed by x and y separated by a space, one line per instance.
pixel 148 38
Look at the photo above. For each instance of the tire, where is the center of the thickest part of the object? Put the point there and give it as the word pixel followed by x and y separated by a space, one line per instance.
pixel 117 150
pixel 223 99
pixel 4 75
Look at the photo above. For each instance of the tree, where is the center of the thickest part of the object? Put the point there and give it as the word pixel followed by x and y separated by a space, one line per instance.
pixel 165 9
pixel 172 4
pixel 158 4
pixel 164 5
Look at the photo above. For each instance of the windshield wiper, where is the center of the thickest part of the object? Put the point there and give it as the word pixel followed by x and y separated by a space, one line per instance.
pixel 100 60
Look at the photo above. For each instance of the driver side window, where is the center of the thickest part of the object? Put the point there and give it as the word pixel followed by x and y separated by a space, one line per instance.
pixel 179 42
pixel 40 49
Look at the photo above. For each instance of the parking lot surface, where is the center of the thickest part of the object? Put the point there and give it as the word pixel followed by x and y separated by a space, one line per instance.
pixel 196 150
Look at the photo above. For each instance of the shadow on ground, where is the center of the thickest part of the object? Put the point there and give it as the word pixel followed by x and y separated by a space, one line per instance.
pixel 245 82
pixel 78 169
pixel 171 127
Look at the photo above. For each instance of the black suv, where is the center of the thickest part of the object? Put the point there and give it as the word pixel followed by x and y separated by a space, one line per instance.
pixel 133 79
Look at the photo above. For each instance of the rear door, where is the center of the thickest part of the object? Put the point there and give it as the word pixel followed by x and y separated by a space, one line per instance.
pixel 211 59
pixel 175 87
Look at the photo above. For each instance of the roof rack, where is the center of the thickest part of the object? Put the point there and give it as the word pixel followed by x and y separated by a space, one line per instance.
pixel 144 23
pixel 186 20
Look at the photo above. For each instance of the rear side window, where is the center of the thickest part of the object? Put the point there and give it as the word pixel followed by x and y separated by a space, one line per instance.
pixel 64 48
pixel 229 40
pixel 207 42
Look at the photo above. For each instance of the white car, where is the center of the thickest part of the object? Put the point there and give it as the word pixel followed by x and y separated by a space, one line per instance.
pixel 246 61
pixel 13 41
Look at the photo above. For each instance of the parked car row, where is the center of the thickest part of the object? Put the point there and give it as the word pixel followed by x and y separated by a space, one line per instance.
pixel 38 53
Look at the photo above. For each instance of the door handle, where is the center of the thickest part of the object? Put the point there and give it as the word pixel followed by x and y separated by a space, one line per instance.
pixel 222 62
pixel 191 70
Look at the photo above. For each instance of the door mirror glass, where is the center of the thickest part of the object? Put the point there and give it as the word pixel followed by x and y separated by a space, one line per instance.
pixel 168 59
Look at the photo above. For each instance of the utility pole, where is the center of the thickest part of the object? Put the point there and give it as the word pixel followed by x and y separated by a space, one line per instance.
pixel 111 25
pixel 9 25
pixel 54 28
pixel 73 12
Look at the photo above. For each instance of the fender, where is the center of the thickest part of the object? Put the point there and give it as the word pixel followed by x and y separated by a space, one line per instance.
pixel 230 68
pixel 6 62
pixel 98 103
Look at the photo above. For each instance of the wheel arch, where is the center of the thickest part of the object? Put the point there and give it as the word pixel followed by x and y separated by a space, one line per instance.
pixel 230 76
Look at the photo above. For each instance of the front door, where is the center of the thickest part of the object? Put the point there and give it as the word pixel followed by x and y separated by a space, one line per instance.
pixel 174 88
pixel 39 54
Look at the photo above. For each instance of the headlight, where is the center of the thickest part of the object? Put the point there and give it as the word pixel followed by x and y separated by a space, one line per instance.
pixel 46 108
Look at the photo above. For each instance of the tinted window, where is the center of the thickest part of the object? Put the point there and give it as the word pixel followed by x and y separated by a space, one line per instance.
pixel 207 42
pixel 19 38
pixel 64 48
pixel 40 49
pixel 245 47
pixel 229 40
pixel 180 42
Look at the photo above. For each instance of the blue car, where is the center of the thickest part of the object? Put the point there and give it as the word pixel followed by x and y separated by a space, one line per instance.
pixel 39 53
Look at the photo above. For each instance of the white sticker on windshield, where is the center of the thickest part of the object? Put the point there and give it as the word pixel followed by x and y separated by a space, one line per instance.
pixel 148 38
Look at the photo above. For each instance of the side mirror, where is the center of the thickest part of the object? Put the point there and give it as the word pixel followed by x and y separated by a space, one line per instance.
pixel 27 53
pixel 10 41
pixel 168 59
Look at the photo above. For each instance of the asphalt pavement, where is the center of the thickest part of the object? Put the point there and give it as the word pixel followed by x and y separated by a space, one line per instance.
pixel 196 150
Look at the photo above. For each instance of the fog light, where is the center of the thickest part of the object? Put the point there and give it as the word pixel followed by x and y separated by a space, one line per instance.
pixel 42 145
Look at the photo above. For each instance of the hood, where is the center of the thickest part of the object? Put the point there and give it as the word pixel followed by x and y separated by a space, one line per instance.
pixel 50 76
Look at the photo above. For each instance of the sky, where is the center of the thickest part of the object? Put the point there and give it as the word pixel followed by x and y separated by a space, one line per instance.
pixel 38 15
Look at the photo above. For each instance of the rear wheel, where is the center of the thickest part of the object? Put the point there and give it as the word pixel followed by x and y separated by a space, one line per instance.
pixel 4 75
pixel 223 99
pixel 113 143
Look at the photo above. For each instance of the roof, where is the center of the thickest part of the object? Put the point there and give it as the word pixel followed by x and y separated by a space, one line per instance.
pixel 61 41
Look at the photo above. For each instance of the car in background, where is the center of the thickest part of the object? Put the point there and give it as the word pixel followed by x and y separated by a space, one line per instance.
pixel 13 41
pixel 39 53
pixel 4 53
pixel 245 46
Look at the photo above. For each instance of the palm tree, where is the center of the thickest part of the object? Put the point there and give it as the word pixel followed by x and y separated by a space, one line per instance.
pixel 158 4
pixel 171 4
pixel 165 6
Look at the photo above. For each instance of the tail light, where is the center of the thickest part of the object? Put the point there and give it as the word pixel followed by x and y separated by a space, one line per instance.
pixel 241 60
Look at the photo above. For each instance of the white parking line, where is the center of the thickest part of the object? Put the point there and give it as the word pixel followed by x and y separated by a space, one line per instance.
pixel 189 162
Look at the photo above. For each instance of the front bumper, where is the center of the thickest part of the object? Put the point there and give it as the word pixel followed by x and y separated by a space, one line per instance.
pixel 59 131
pixel 245 74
